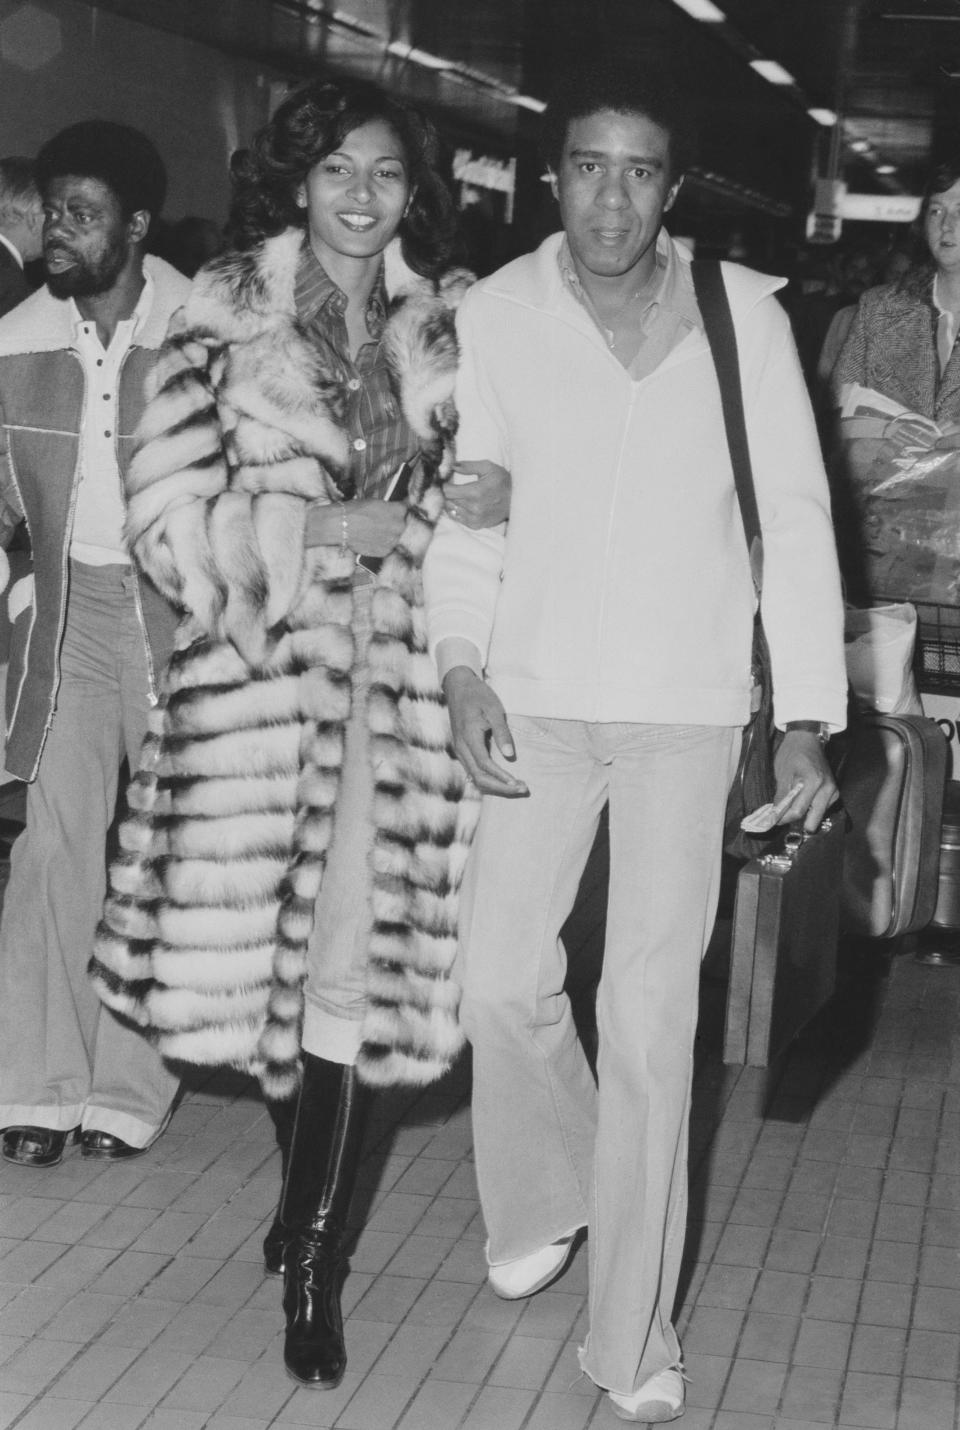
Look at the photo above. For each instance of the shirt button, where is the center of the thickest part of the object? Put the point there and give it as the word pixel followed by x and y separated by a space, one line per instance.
pixel 108 434
pixel 354 384
pixel 359 445
pixel 106 397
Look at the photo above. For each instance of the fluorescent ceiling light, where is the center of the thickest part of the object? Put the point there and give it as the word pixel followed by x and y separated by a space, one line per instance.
pixel 526 101
pixel 701 10
pixel 417 57
pixel 826 117
pixel 886 169
pixel 772 72
pixel 859 146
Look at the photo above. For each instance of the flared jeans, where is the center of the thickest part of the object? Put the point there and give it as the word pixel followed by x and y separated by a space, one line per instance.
pixel 554 1150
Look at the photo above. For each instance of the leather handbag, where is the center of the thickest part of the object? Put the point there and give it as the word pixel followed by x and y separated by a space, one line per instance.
pixel 892 776
pixel 754 783
pixel 783 956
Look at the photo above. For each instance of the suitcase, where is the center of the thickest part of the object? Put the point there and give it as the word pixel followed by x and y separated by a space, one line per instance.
pixel 783 955
pixel 892 778
pixel 946 914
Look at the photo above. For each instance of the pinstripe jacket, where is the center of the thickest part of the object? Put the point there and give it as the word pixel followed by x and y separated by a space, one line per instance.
pixel 892 347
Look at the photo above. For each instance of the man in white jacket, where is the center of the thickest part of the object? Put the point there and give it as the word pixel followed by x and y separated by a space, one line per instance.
pixel 600 643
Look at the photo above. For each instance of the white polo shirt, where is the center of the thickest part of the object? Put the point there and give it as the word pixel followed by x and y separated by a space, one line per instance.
pixel 97 538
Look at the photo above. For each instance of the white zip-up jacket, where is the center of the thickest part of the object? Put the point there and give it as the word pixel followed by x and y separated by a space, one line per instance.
pixel 620 589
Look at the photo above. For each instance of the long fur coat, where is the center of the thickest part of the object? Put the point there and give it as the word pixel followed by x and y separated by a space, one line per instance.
pixel 210 903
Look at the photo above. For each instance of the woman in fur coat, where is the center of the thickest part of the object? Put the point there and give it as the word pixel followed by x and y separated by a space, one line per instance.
pixel 285 899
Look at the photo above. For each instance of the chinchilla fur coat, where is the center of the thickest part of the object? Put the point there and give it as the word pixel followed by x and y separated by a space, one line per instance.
pixel 210 903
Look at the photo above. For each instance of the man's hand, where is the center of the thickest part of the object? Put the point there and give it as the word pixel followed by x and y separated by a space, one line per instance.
pixel 800 760
pixel 483 503
pixel 476 718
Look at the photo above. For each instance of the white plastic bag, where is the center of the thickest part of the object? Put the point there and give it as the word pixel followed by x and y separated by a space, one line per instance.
pixel 879 649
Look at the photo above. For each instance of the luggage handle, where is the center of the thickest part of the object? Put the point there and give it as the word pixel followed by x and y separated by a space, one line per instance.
pixel 795 838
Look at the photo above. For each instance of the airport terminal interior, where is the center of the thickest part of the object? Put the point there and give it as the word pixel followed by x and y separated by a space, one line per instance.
pixel 820 1287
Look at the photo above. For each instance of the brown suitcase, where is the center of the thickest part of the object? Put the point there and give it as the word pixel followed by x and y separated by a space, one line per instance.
pixel 783 957
pixel 892 779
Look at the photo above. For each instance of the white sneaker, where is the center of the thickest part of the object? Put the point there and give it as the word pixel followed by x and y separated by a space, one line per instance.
pixel 656 1402
pixel 514 1279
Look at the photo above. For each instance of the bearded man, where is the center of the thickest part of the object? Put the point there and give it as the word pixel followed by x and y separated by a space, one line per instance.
pixel 89 640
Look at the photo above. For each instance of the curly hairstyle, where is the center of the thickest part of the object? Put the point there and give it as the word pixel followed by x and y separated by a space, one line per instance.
pixel 644 86
pixel 313 122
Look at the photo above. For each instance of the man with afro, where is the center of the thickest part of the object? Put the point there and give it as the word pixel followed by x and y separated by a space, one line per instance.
pixel 89 639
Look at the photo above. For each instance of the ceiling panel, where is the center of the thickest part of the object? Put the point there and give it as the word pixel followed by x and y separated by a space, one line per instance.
pixel 891 68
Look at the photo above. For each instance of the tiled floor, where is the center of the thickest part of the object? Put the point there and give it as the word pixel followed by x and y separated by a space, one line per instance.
pixel 822 1287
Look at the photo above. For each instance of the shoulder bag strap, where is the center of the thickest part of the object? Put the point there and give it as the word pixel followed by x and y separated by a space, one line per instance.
pixel 718 324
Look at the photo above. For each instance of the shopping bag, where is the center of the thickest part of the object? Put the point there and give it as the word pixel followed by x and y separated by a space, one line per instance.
pixel 879 649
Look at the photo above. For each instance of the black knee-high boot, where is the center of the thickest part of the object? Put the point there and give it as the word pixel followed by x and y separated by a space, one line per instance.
pixel 327 1136
pixel 282 1116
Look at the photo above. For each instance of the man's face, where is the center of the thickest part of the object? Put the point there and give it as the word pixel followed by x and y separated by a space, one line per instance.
pixel 86 238
pixel 941 225
pixel 613 188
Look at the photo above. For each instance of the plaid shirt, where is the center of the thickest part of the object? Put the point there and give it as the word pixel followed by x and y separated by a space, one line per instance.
pixel 380 436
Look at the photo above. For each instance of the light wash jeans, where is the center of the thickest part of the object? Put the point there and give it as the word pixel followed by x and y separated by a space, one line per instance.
pixel 336 988
pixel 552 1152
pixel 65 1061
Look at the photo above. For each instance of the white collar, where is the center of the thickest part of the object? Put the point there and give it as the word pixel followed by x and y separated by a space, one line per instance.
pixel 139 315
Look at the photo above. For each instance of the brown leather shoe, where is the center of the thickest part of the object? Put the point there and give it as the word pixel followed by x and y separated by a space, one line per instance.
pixel 106 1146
pixel 34 1146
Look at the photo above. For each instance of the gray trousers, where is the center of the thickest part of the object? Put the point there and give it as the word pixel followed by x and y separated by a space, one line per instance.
pixel 553 1151
pixel 65 1061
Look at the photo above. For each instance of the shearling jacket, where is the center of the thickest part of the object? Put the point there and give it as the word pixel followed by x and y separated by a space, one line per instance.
pixel 42 402
pixel 210 908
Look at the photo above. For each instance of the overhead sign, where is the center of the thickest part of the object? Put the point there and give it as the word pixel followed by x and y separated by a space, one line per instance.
pixel 880 208
pixel 487 173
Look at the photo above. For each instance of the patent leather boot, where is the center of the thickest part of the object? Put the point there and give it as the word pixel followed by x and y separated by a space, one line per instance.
pixel 324 1155
pixel 282 1116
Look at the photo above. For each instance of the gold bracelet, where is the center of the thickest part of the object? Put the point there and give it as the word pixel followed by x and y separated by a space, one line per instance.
pixel 344 531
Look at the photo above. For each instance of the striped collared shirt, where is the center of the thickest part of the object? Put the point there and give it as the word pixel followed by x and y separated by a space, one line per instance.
pixel 668 310
pixel 380 437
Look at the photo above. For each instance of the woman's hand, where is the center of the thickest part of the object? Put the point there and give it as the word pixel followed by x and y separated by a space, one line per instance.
pixel 911 430
pixel 949 441
pixel 372 527
pixel 483 503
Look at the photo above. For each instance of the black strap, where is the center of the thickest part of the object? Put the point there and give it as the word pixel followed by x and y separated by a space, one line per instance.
pixel 718 324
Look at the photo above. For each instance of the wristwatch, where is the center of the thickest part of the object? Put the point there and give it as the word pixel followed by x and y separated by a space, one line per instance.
pixel 812 727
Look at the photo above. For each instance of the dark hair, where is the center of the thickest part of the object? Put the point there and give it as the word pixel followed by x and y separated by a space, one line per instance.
pixel 642 87
pixel 310 124
pixel 18 184
pixel 121 157
pixel 942 176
